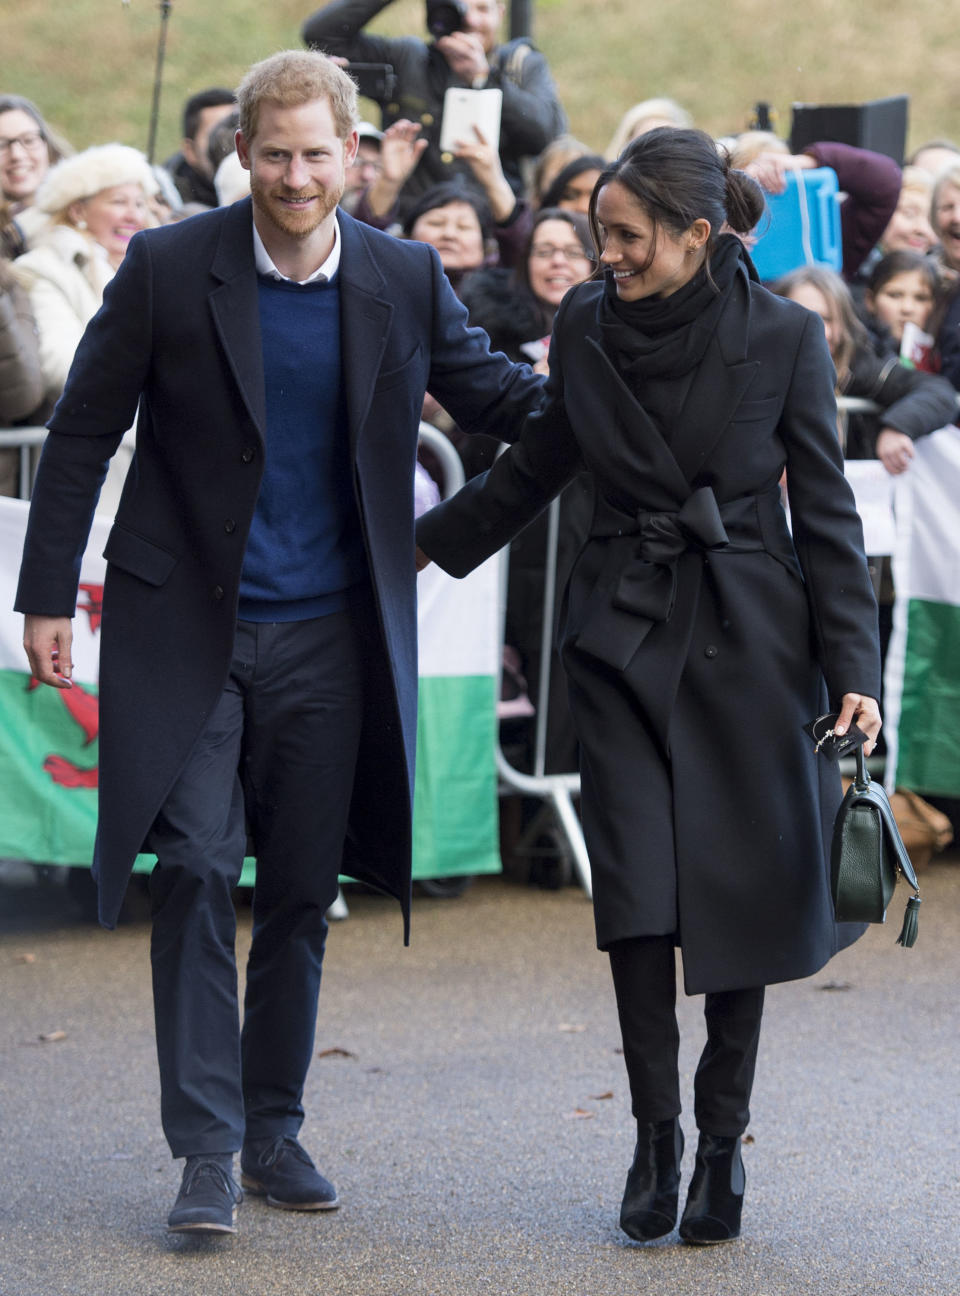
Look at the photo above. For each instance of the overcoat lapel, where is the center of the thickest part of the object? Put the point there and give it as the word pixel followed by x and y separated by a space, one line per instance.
pixel 650 457
pixel 236 309
pixel 365 316
pixel 719 384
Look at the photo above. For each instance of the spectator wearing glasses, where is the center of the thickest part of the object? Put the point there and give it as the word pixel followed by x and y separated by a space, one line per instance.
pixel 366 166
pixel 517 309
pixel 28 148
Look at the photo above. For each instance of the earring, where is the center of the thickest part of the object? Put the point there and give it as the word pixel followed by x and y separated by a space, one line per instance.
pixel 81 224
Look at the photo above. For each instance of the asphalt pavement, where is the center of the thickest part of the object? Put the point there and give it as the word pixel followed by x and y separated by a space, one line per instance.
pixel 468 1098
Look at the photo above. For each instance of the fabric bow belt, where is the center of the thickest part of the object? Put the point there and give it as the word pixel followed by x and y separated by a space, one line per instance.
pixel 638 585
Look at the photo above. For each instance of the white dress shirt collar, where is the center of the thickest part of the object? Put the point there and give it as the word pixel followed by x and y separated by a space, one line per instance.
pixel 265 266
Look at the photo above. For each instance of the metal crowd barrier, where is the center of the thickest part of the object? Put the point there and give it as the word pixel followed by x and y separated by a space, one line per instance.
pixel 23 439
pixel 557 791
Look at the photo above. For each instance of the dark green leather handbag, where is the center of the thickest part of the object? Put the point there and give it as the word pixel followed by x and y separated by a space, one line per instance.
pixel 868 856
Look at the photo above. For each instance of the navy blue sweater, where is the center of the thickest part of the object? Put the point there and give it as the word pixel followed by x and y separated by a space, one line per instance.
pixel 305 548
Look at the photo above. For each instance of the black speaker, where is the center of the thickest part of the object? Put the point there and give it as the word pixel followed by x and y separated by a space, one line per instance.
pixel 880 125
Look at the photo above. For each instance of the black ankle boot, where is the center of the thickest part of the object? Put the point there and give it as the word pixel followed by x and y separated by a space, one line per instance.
pixel 715 1199
pixel 649 1208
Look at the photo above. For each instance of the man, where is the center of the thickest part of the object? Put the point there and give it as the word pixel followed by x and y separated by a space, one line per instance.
pixel 258 664
pixel 472 56
pixel 366 166
pixel 191 168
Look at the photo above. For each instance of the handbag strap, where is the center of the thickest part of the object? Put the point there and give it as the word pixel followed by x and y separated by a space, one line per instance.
pixel 863 783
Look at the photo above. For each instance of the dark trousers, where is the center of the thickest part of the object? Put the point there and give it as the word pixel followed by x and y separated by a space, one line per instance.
pixel 278 756
pixel 644 978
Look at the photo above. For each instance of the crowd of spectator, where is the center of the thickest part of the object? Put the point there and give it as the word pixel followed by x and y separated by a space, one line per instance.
pixel 507 217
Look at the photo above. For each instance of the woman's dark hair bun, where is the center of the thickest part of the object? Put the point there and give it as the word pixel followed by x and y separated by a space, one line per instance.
pixel 744 201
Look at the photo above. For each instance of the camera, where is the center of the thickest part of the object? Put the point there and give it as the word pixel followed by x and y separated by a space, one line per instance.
pixel 445 16
pixel 375 81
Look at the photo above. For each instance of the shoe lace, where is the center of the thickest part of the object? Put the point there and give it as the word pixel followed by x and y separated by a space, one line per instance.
pixel 283 1144
pixel 210 1169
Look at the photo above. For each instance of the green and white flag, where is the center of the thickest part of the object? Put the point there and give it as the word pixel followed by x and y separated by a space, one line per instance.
pixel 922 676
pixel 455 819
pixel 48 737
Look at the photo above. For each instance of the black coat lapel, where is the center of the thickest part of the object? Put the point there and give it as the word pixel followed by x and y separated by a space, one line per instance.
pixel 236 310
pixel 648 452
pixel 365 315
pixel 719 384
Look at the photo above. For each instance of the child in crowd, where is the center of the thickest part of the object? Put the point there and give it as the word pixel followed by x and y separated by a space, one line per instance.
pixel 905 295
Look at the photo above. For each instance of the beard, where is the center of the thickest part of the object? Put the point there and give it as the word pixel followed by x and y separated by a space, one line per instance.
pixel 295 224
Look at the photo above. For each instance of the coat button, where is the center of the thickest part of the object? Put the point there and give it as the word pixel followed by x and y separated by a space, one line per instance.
pixel 229 526
pixel 711 650
pixel 246 455
pixel 218 592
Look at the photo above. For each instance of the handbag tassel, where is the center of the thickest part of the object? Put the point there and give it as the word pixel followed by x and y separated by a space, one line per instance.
pixel 911 923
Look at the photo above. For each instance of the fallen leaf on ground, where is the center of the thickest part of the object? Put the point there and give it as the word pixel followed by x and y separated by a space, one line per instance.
pixel 336 1052
pixel 747 1138
pixel 52 1037
pixel 601 1097
pixel 578 1113
pixel 570 1028
pixel 25 958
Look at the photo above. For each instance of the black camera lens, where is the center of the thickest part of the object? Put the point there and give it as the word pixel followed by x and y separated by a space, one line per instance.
pixel 445 16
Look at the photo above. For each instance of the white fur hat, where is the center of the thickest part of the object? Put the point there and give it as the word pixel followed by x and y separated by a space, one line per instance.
pixel 86 173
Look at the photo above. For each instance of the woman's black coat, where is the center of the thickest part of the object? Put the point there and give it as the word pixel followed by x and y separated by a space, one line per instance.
pixel 705 810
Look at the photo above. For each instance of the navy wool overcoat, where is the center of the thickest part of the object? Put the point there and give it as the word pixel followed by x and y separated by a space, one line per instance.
pixel 178 337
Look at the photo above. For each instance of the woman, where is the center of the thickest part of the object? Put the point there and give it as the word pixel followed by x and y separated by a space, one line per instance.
pixel 564 149
pixel 643 117
pixel 457 222
pixel 909 228
pixel 698 637
pixel 516 308
pixel 95 201
pixel 28 148
pixel 572 186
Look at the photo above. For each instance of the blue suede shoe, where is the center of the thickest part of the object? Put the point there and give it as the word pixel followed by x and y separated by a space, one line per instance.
pixel 208 1199
pixel 279 1169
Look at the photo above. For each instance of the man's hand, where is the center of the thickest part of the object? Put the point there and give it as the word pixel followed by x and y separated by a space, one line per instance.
pixel 48 642
pixel 464 54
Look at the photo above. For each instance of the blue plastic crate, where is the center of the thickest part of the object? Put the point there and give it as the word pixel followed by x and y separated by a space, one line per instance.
pixel 801 226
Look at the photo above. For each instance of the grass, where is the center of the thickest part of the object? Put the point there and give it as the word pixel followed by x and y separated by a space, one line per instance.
pixel 89 64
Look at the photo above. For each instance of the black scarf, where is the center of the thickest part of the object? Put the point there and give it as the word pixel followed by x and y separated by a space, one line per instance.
pixel 668 336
